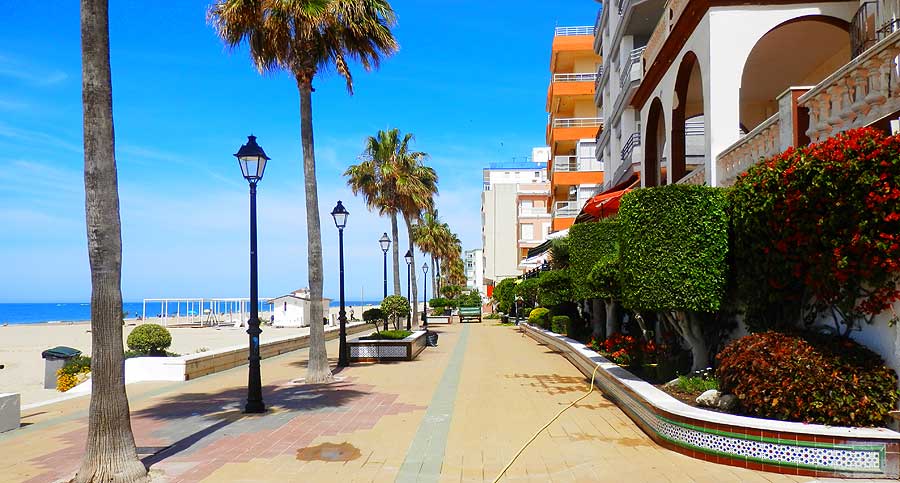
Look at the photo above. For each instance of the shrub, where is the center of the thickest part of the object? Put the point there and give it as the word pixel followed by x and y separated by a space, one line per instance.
pixel 526 311
pixel 504 294
pixel 373 315
pixel 819 379
pixel 471 299
pixel 438 303
pixel 394 307
pixel 674 242
pixel 694 384
pixel 589 243
pixel 451 291
pixel 492 316
pixel 528 290
pixel 554 288
pixel 559 324
pixel 559 253
pixel 150 339
pixel 822 221
pixel 391 334
pixel 74 372
pixel 622 349
pixel 540 317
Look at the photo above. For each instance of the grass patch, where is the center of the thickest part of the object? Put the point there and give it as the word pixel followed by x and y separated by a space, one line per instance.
pixel 507 324
pixel 389 335
pixel 694 384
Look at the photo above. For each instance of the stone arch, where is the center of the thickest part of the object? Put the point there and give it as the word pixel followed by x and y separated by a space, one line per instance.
pixel 687 104
pixel 655 140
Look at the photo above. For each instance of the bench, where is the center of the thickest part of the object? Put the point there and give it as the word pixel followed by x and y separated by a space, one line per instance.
pixel 470 314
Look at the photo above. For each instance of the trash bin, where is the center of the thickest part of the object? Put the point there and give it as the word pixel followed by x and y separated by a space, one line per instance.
pixel 54 360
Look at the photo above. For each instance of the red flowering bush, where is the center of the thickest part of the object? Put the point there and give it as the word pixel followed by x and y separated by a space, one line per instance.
pixel 819 379
pixel 627 350
pixel 822 224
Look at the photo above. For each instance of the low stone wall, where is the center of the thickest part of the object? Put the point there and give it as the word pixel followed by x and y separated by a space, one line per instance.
pixel 438 319
pixel 10 411
pixel 387 350
pixel 759 444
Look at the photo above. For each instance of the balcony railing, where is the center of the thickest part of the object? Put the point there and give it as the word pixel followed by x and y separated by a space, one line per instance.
pixel 762 142
pixel 873 21
pixel 671 14
pixel 620 5
pixel 566 209
pixel 572 164
pixel 858 94
pixel 694 128
pixel 634 57
pixel 695 177
pixel 535 211
pixel 578 122
pixel 576 77
pixel 633 141
pixel 567 31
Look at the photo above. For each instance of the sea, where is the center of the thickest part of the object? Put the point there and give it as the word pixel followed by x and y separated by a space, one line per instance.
pixel 37 313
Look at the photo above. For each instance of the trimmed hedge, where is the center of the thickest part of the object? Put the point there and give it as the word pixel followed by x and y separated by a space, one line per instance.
pixel 504 294
pixel 528 290
pixel 150 339
pixel 674 243
pixel 554 288
pixel 819 379
pixel 540 317
pixel 588 244
pixel 603 278
pixel 560 324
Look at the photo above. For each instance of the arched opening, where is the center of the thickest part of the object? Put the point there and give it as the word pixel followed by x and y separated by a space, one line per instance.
pixel 654 174
pixel 688 128
pixel 799 52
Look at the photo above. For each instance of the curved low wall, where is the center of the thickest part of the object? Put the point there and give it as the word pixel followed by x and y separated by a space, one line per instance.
pixel 760 444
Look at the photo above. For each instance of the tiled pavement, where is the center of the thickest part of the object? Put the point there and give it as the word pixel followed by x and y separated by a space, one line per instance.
pixel 457 413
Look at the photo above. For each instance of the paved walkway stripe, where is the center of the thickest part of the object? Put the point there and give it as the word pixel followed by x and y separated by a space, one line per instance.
pixel 426 452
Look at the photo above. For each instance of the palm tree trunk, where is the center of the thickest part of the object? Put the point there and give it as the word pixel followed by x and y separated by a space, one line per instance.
pixel 317 370
pixel 414 287
pixel 395 247
pixel 110 454
pixel 434 287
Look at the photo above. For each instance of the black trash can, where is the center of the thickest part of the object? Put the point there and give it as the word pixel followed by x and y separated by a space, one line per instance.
pixel 54 360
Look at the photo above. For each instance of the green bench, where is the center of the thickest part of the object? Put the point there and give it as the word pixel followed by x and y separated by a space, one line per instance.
pixel 470 314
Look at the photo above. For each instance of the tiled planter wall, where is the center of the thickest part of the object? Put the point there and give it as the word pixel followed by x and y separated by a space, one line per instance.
pixel 387 350
pixel 777 446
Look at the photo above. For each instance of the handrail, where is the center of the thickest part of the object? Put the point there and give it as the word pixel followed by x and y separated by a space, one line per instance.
pixel 633 57
pixel 578 122
pixel 695 177
pixel 568 31
pixel 633 141
pixel 695 128
pixel 575 77
pixel 566 209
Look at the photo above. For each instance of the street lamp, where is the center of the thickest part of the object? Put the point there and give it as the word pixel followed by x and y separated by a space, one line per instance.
pixel 385 243
pixel 409 260
pixel 425 296
pixel 252 160
pixel 340 221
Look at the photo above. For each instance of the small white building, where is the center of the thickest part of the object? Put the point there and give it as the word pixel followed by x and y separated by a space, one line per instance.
pixel 292 310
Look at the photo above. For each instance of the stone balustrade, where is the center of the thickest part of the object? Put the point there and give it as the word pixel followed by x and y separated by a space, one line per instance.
pixel 860 93
pixel 695 177
pixel 761 142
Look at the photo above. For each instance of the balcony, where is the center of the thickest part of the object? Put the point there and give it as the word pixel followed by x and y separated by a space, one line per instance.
pixel 634 141
pixel 566 209
pixel 573 164
pixel 576 77
pixel 673 11
pixel 569 122
pixel 570 85
pixel 873 22
pixel 572 31
pixel 533 212
pixel 632 71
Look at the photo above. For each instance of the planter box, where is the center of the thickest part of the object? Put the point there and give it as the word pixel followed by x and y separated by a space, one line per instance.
pixel 762 444
pixel 387 350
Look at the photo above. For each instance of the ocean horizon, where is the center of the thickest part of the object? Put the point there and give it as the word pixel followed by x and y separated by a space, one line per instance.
pixel 49 312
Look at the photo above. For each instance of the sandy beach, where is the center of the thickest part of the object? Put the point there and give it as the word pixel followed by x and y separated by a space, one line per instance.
pixel 21 347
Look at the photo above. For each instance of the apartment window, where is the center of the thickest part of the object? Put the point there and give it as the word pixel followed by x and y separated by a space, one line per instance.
pixel 527 231
pixel 527 204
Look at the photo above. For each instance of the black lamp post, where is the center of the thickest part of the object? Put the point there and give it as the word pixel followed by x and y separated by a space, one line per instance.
pixel 385 243
pixel 340 221
pixel 425 284
pixel 409 260
pixel 252 160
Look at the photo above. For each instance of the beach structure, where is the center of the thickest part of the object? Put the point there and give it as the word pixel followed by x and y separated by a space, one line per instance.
pixel 293 309
pixel 201 311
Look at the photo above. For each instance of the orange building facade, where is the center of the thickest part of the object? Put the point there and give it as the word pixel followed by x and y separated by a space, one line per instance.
pixel 573 124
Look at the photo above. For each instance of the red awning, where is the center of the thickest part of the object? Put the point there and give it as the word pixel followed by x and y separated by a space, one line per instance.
pixel 604 205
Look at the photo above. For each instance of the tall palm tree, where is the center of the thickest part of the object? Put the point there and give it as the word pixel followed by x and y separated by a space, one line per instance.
pixel 416 188
pixel 110 454
pixel 305 37
pixel 376 178
pixel 427 237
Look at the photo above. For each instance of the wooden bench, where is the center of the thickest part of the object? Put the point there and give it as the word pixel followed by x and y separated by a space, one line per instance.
pixel 470 314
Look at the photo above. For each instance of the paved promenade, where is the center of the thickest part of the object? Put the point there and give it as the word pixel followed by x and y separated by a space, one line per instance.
pixel 457 413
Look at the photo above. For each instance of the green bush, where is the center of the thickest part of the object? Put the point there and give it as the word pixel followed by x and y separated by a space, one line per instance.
pixel 695 384
pixel 589 243
pixel 150 339
pixel 438 303
pixel 391 334
pixel 815 379
pixel 451 291
pixel 554 288
pixel 540 317
pixel 394 307
pixel 471 299
pixel 603 279
pixel 373 315
pixel 559 253
pixel 528 290
pixel 504 294
pixel 674 242
pixel 526 311
pixel 560 324
pixel 492 316
pixel 76 365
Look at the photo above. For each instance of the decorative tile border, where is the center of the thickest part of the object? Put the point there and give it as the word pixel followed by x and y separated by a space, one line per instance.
pixel 777 446
pixel 392 350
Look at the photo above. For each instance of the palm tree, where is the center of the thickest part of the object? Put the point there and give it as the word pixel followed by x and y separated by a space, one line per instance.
pixel 427 236
pixel 416 188
pixel 110 454
pixel 305 37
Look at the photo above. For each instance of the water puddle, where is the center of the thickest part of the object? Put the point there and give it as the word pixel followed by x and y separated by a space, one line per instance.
pixel 329 452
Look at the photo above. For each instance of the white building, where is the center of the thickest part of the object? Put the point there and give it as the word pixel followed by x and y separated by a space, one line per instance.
pixel 292 310
pixel 474 260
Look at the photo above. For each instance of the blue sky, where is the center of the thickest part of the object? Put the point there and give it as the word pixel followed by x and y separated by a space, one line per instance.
pixel 469 81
